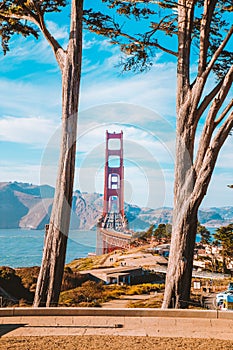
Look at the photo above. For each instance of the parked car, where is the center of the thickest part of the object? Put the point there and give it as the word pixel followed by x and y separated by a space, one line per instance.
pixel 220 297
pixel 227 302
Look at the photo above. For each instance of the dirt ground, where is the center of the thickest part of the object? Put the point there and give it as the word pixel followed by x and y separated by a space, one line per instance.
pixel 111 343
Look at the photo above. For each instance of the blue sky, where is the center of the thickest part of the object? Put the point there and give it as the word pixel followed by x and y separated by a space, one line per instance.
pixel 142 105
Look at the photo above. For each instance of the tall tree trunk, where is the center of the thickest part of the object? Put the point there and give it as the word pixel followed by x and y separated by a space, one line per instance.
pixel 190 187
pixel 51 272
pixel 178 279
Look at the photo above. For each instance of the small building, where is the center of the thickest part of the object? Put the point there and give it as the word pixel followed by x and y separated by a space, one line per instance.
pixel 118 278
pixel 163 250
pixel 117 275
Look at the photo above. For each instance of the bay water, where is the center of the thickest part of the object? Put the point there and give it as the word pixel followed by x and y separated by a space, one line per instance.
pixel 23 248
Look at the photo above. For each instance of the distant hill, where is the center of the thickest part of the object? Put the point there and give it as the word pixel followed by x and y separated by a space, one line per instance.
pixel 24 205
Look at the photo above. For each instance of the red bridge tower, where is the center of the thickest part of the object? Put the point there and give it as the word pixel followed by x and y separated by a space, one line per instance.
pixel 112 228
pixel 114 174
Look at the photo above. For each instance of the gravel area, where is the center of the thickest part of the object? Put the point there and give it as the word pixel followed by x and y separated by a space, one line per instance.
pixel 111 343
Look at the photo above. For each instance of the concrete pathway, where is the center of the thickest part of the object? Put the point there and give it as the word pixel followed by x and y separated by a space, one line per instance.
pixel 115 304
pixel 125 300
pixel 116 325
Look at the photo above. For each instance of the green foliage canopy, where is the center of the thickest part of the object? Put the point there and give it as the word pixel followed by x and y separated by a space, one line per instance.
pixel 24 17
pixel 224 237
pixel 205 234
pixel 159 19
pixel 163 231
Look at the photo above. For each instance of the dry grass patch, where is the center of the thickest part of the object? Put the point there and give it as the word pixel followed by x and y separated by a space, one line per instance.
pixel 113 343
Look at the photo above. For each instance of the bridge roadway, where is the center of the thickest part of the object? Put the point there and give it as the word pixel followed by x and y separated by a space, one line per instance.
pixel 125 322
pixel 117 234
pixel 107 239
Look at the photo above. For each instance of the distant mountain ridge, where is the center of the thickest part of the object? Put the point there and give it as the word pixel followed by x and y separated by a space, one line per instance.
pixel 28 206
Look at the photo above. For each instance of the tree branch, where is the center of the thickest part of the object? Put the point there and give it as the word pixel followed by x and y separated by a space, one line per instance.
pixel 217 53
pixel 218 101
pixel 164 26
pixel 19 17
pixel 112 30
pixel 171 3
pixel 185 24
pixel 209 6
pixel 224 113
pixel 166 50
pixel 145 43
pixel 206 168
pixel 207 99
pixel 222 134
pixel 57 49
pixel 38 20
pixel 210 123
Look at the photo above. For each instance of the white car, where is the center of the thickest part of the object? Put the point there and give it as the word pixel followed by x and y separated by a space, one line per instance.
pixel 220 297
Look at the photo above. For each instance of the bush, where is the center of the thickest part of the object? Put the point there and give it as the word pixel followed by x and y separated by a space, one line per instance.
pixel 87 263
pixel 143 288
pixel 155 302
pixel 89 294
pixel 114 291
pixel 13 285
pixel 72 279
pixel 28 276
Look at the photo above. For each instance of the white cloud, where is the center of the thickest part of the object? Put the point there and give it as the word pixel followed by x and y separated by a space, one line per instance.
pixel 12 171
pixel 89 42
pixel 59 32
pixel 27 51
pixel 88 67
pixel 34 131
pixel 155 89
pixel 36 97
pixel 225 158
pixel 218 193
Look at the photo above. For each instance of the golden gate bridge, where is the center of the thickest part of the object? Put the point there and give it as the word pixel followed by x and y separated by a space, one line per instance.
pixel 112 228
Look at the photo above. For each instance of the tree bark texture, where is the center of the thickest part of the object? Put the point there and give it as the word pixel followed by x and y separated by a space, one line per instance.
pixel 193 172
pixel 51 272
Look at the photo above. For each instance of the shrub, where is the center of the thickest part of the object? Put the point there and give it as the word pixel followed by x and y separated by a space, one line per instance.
pixel 71 279
pixel 155 302
pixel 12 284
pixel 89 294
pixel 143 288
pixel 114 291
pixel 28 277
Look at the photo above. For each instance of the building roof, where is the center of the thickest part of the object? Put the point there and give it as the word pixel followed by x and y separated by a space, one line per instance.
pixel 118 274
